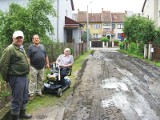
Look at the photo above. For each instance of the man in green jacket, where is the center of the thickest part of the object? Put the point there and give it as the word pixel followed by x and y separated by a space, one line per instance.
pixel 14 69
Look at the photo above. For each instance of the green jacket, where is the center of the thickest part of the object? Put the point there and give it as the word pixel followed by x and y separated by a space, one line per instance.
pixel 13 62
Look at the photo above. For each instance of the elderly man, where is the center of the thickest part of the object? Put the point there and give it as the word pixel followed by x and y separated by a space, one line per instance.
pixel 14 69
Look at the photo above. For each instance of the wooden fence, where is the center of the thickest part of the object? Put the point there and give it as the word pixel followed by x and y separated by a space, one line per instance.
pixel 54 51
pixel 156 53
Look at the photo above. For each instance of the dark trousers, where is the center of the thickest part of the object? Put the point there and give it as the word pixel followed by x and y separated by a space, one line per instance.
pixel 19 87
pixel 63 73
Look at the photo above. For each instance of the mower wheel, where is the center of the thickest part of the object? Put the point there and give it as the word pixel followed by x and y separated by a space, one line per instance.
pixel 59 92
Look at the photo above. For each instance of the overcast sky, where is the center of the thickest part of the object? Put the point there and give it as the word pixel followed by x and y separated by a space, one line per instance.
pixel 109 5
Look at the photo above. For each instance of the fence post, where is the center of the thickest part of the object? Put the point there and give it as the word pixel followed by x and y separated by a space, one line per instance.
pixel 145 51
pixel 149 51
pixel 82 48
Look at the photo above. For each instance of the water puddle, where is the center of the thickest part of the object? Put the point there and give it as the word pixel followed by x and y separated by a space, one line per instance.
pixel 107 60
pixel 133 106
pixel 113 84
pixel 137 109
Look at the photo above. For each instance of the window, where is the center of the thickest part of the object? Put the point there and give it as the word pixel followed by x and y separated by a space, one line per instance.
pixel 97 26
pixel 120 26
pixel 113 26
pixel 95 35
pixel 106 24
pixel 106 29
pixel 119 35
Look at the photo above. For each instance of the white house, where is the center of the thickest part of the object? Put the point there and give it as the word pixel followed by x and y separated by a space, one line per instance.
pixel 151 10
pixel 65 29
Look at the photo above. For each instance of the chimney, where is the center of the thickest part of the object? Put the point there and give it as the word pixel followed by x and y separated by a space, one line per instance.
pixel 126 12
pixel 102 9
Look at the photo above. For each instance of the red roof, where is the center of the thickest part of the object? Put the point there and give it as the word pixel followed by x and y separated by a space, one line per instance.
pixel 69 23
pixel 118 17
pixel 104 16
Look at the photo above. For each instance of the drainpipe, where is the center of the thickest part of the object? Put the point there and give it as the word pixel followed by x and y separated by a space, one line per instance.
pixel 111 30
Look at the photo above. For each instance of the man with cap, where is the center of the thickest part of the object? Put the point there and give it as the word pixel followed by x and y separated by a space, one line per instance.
pixel 14 69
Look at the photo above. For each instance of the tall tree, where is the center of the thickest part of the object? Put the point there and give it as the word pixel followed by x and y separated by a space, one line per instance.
pixel 32 19
pixel 139 29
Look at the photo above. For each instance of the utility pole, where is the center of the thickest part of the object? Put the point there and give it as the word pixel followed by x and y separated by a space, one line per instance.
pixel 87 28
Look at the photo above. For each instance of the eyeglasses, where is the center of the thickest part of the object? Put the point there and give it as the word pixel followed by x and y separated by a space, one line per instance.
pixel 19 37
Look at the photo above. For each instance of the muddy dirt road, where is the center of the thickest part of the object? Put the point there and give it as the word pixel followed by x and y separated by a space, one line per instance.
pixel 114 86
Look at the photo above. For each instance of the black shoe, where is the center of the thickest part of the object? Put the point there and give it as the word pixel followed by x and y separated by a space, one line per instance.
pixel 24 115
pixel 15 117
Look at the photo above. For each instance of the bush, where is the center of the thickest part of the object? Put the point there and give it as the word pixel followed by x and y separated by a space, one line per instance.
pixel 116 41
pixel 104 39
pixel 133 49
pixel 121 45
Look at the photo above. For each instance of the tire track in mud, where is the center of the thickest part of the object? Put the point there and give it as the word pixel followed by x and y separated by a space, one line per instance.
pixel 147 74
pixel 114 86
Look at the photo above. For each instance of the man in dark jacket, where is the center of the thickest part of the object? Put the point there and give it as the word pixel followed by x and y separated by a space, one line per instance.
pixel 14 69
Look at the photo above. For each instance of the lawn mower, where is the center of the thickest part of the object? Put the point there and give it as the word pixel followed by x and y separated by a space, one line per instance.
pixel 53 83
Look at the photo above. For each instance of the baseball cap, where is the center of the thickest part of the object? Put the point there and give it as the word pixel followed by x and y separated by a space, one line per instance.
pixel 18 33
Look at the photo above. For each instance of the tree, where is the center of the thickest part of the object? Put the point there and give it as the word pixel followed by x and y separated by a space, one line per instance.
pixel 157 37
pixel 139 29
pixel 32 19
pixel 84 36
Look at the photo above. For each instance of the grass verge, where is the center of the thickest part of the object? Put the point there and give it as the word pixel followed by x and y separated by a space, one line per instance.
pixel 154 62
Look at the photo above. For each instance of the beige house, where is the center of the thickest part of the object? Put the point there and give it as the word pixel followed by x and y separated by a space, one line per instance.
pixel 102 24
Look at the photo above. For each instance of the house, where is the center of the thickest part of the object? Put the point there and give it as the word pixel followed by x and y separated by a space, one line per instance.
pixel 102 24
pixel 65 29
pixel 117 24
pixel 151 10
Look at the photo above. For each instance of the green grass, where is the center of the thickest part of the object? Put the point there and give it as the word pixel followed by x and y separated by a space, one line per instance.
pixel 49 99
pixel 156 63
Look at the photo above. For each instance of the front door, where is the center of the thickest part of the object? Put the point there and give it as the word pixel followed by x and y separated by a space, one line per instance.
pixel 69 36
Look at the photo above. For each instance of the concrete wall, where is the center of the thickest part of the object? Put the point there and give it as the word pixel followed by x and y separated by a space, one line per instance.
pixel 152 10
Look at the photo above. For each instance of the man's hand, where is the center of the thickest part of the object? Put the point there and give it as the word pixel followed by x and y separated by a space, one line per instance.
pixel 47 66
